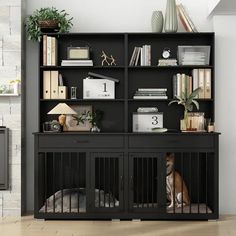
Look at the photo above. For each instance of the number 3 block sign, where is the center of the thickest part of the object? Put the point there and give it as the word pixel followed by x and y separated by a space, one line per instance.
pixel 98 89
pixel 145 122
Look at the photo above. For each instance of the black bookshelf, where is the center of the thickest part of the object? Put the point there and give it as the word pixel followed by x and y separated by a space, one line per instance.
pixel 91 161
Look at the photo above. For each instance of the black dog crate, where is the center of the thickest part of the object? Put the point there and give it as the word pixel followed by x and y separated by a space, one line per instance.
pixel 97 185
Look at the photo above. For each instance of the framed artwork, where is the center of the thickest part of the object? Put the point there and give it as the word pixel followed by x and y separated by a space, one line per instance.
pixel 72 123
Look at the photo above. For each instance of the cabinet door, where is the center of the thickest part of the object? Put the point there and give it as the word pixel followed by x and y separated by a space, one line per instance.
pixel 107 182
pixel 147 192
pixel 3 159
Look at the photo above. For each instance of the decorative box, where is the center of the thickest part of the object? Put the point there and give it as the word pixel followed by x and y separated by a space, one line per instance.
pixel 98 89
pixel 146 121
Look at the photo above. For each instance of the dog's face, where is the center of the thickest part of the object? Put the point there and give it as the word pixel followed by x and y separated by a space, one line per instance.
pixel 170 159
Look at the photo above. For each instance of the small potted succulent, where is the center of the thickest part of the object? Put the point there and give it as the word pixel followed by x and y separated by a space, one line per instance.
pixel 188 102
pixel 47 20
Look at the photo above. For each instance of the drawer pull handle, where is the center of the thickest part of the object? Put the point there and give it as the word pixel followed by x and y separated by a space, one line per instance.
pixel 80 141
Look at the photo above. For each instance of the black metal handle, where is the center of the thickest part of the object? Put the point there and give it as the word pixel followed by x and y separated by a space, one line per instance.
pixel 121 182
pixel 80 141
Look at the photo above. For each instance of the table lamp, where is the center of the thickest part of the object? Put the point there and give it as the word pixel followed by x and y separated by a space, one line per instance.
pixel 63 109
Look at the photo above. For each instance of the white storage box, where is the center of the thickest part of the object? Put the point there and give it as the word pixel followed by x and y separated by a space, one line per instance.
pixel 98 89
pixel 145 122
pixel 194 55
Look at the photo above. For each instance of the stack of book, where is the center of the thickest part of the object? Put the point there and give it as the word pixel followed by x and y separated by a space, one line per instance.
pixel 167 62
pixel 141 56
pixel 183 83
pixel 150 93
pixel 77 63
pixel 49 51
pixel 185 19
pixel 147 109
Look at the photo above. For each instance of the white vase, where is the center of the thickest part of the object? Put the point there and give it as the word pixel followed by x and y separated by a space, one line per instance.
pixel 157 21
pixel 171 21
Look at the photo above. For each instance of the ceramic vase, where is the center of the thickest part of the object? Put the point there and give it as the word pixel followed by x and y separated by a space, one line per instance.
pixel 157 21
pixel 171 21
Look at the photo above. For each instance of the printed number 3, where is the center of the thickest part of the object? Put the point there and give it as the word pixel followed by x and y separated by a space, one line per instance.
pixel 104 87
pixel 155 120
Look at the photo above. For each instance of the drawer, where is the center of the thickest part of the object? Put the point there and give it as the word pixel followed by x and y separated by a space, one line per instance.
pixel 81 141
pixel 171 141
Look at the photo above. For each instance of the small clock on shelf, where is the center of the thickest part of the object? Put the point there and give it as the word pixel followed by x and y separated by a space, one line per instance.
pixel 166 53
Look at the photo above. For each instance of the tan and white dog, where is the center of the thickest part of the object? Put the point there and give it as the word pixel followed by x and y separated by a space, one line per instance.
pixel 175 186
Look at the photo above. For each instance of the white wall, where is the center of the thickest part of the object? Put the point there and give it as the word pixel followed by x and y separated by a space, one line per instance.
pixel 226 108
pixel 99 16
pixel 10 107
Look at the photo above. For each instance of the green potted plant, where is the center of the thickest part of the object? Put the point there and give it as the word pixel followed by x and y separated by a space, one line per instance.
pixel 187 100
pixel 95 119
pixel 47 19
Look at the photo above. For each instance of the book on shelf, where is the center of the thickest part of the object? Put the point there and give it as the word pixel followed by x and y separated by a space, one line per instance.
pixel 141 56
pixel 50 49
pixel 77 63
pixel 167 62
pixel 183 83
pixel 149 97
pixel 147 109
pixel 185 19
pixel 150 93
pixel 152 89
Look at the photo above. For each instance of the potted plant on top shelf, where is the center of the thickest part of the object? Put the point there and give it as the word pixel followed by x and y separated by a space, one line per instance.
pixel 187 100
pixel 47 20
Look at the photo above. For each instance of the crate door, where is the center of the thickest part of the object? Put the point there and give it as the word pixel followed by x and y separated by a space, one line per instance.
pixel 107 182
pixel 147 191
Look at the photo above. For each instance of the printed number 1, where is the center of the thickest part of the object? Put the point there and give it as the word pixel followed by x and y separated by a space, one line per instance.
pixel 105 87
pixel 155 120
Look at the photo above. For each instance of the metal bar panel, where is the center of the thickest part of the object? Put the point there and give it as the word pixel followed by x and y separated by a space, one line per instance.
pixel 147 180
pixel 53 180
pixel 182 182
pixel 78 168
pixel 61 155
pixel 45 181
pixel 104 181
pixel 206 182
pixel 99 180
pixel 152 183
pixel 70 178
pixel 109 182
pixel 190 182
pixel 174 187
pixel 114 178
pixel 142 166
pixel 137 181
pixel 198 185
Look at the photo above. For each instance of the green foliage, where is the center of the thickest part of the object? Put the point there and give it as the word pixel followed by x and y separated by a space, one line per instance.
pixel 33 29
pixel 187 101
pixel 82 118
pixel 96 117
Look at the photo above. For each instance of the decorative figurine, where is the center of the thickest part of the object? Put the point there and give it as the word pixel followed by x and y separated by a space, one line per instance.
pixel 110 61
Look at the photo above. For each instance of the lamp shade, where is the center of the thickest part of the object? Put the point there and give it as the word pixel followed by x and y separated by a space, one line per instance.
pixel 62 108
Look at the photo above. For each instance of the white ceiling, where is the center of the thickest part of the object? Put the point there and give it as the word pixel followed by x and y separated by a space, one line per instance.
pixel 224 7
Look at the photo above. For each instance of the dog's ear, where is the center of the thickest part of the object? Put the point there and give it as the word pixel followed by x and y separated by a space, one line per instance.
pixel 170 155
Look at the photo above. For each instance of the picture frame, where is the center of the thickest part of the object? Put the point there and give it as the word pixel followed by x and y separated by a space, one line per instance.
pixel 72 124
pixel 78 53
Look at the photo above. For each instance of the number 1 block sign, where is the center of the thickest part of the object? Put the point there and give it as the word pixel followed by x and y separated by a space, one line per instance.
pixel 145 122
pixel 98 89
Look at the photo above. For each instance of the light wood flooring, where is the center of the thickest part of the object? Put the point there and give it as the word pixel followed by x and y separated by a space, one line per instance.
pixel 28 226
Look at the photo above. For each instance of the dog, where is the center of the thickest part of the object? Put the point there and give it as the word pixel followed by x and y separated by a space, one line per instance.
pixel 175 186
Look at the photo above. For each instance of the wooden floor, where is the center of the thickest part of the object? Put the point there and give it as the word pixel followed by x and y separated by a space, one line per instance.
pixel 27 226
